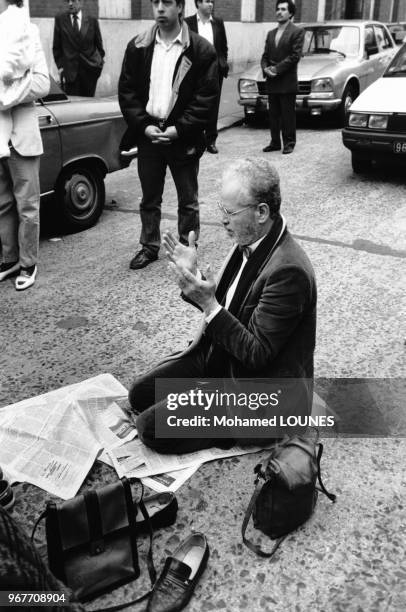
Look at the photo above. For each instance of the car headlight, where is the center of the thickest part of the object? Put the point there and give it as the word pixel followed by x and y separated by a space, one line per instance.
pixel 322 85
pixel 379 122
pixel 248 86
pixel 358 120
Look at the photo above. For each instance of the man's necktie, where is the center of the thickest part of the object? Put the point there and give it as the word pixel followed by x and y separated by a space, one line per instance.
pixel 76 23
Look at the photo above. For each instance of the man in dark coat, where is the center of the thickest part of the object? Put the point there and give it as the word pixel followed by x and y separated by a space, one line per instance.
pixel 259 318
pixel 78 50
pixel 212 28
pixel 167 89
pixel 283 50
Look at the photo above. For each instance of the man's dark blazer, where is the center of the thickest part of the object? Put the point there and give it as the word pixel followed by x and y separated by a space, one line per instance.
pixel 72 50
pixel 195 87
pixel 284 58
pixel 219 41
pixel 269 329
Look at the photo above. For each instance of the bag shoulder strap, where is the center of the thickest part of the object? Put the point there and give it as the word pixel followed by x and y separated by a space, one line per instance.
pixel 256 548
pixel 323 489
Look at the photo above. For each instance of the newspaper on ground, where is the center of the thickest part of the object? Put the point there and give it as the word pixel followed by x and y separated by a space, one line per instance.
pixel 52 440
pixel 135 460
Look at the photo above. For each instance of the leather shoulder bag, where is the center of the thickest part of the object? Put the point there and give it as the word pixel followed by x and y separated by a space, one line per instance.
pixel 285 492
pixel 92 542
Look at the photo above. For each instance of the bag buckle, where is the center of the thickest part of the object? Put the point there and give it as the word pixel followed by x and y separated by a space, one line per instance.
pixel 97 547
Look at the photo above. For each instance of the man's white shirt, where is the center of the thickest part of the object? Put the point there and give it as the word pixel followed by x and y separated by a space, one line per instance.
pixel 162 71
pixel 205 28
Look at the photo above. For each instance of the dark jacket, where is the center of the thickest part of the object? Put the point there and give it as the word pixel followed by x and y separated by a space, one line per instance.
pixel 219 41
pixel 269 329
pixel 284 58
pixel 72 50
pixel 195 86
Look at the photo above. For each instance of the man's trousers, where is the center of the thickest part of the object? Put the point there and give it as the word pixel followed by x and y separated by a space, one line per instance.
pixel 143 400
pixel 282 118
pixel 19 208
pixel 183 162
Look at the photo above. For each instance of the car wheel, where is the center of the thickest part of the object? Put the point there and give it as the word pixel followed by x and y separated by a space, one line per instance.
pixel 360 166
pixel 80 196
pixel 348 98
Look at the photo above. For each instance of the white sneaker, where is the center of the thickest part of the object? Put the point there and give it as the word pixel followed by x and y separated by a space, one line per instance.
pixel 8 269
pixel 26 278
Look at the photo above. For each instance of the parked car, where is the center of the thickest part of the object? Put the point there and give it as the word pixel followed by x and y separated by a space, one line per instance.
pixel 377 120
pixel 398 31
pixel 340 59
pixel 81 139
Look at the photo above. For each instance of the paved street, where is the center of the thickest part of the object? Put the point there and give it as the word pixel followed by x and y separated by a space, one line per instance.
pixel 88 313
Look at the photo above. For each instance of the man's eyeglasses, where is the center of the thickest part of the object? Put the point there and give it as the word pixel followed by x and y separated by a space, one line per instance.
pixel 230 213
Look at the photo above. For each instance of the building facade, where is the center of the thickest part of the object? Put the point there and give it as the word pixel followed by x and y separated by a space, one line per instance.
pixel 256 11
pixel 247 23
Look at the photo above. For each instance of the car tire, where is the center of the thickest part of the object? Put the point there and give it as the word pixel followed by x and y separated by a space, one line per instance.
pixel 80 196
pixel 360 166
pixel 348 98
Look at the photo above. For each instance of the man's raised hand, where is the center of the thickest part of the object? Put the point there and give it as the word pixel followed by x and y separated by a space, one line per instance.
pixel 183 257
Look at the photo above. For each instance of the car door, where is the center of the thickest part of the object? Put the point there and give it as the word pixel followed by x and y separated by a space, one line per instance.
pixel 386 47
pixel 51 160
pixel 370 64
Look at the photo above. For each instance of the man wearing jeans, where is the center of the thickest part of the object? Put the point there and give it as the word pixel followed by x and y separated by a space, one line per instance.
pixel 167 89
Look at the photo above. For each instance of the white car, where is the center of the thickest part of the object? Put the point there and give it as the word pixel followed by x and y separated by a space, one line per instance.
pixel 376 128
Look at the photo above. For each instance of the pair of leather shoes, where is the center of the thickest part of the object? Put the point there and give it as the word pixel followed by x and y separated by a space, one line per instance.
pixel 271 147
pixel 288 149
pixel 142 258
pixel 180 575
pixel 161 508
pixel 211 148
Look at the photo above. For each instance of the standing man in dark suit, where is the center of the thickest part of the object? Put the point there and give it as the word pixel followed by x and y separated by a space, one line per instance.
pixel 211 28
pixel 78 50
pixel 283 50
pixel 259 319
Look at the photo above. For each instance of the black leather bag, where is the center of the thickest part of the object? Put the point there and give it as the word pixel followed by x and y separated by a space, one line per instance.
pixel 285 493
pixel 92 542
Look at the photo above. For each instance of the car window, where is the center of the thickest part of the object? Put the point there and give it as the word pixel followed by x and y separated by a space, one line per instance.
pixel 382 38
pixel 327 39
pixel 370 44
pixel 397 67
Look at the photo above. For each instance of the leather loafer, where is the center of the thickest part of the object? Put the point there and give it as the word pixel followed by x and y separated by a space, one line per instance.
pixel 211 148
pixel 288 149
pixel 180 575
pixel 271 147
pixel 161 508
pixel 141 259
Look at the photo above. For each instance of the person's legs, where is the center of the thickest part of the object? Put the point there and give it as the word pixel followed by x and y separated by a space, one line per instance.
pixel 274 119
pixel 72 88
pixel 151 171
pixel 288 119
pixel 8 216
pixel 24 172
pixel 6 127
pixel 87 82
pixel 143 398
pixel 185 173
pixel 211 130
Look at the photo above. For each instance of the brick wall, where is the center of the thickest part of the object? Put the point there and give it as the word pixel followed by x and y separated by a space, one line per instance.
pixel 229 10
pixel 50 8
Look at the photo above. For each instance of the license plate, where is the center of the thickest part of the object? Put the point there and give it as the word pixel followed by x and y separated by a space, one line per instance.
pixel 399 147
